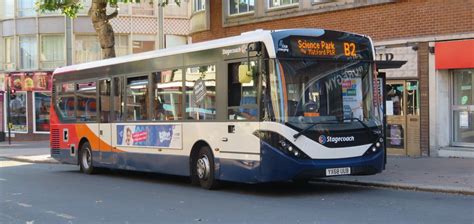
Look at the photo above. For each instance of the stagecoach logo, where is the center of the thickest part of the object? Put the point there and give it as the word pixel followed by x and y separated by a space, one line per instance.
pixel 282 47
pixel 242 49
pixel 324 139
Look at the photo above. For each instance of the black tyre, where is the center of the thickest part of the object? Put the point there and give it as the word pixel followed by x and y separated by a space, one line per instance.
pixel 85 159
pixel 204 169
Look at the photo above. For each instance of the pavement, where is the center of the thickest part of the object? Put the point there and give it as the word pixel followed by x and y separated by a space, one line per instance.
pixel 433 174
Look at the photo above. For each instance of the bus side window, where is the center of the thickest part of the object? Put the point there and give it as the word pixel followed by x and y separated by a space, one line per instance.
pixel 200 92
pixel 65 101
pixel 167 95
pixel 104 92
pixel 118 98
pixel 242 97
pixel 86 101
pixel 137 98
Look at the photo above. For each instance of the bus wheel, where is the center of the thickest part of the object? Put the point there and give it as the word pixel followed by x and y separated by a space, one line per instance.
pixel 204 168
pixel 85 159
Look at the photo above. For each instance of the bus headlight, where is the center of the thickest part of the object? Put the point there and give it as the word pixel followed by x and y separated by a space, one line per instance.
pixel 281 143
pixel 289 149
pixel 378 144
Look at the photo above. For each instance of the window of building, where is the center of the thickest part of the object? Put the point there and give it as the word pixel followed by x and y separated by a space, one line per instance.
pixel 462 104
pixel 86 5
pixel 28 52
pixel 167 96
pixel 18 111
pixel 26 8
pixel 280 3
pixel 199 5
pixel 65 101
pixel 241 6
pixel 175 40
pixel 7 9
pixel 86 101
pixel 86 48
pixel 9 57
pixel 143 8
pixel 42 102
pixel 138 100
pixel 121 45
pixel 143 43
pixel 322 1
pixel 52 51
pixel 201 92
pixel 242 97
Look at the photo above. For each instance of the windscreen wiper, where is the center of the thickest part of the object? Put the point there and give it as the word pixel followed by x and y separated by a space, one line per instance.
pixel 344 119
pixel 311 126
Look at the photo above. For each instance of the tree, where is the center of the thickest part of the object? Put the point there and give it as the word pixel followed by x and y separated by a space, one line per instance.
pixel 98 13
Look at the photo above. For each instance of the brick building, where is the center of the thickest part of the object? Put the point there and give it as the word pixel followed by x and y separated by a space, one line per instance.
pixel 429 99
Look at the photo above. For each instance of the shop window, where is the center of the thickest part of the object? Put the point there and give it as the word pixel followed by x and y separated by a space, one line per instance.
pixel 242 97
pixel 413 99
pixel 86 102
pixel 281 3
pixel 138 101
pixel 118 102
pixel 394 100
pixel 65 101
pixel 175 40
pixel 42 102
pixel 167 95
pixel 201 92
pixel 241 6
pixel 18 112
pixel 463 105
pixel 52 53
pixel 28 53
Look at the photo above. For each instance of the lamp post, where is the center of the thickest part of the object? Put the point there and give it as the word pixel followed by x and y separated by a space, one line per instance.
pixel 8 111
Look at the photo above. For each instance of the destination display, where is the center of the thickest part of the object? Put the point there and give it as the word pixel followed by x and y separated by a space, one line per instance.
pixel 317 47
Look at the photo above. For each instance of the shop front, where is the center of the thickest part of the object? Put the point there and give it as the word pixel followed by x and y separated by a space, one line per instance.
pixel 402 101
pixel 454 76
pixel 26 105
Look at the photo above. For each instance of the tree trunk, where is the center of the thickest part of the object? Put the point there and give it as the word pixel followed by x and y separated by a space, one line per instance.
pixel 105 32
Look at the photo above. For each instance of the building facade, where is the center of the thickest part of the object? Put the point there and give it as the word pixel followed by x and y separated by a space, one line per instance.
pixel 429 106
pixel 33 44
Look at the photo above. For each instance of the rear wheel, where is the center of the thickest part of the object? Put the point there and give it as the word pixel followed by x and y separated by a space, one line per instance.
pixel 204 168
pixel 85 159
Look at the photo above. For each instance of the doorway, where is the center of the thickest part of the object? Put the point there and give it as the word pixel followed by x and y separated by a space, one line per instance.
pixel 403 117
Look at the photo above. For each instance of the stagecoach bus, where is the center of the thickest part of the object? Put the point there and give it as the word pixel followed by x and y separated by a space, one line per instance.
pixel 260 107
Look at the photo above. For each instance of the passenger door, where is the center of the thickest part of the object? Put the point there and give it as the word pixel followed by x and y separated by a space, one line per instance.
pixel 105 125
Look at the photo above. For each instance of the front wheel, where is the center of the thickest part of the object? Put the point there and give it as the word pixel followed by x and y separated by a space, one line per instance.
pixel 204 168
pixel 85 159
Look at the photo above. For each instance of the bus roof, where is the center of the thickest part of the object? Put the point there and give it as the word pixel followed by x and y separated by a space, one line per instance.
pixel 264 36
pixel 258 35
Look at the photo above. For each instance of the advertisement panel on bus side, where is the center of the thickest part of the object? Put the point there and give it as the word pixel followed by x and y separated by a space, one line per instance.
pixel 163 136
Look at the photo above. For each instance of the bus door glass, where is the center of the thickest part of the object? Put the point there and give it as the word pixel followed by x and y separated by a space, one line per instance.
pixel 105 125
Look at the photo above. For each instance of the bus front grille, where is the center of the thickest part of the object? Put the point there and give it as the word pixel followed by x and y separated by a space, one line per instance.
pixel 54 138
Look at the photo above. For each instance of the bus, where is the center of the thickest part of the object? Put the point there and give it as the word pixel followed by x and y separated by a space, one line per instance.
pixel 264 106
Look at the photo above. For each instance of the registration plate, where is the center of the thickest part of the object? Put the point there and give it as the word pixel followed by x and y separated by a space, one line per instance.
pixel 338 171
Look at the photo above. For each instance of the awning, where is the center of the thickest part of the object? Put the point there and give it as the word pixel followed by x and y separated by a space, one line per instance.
pixel 389 64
